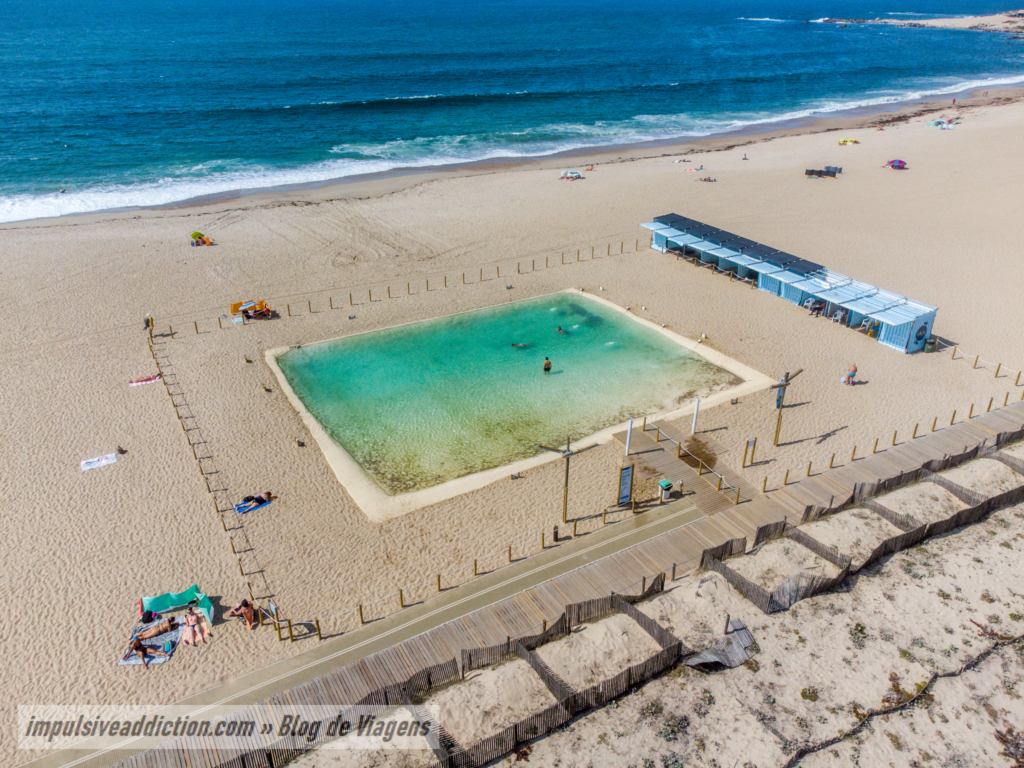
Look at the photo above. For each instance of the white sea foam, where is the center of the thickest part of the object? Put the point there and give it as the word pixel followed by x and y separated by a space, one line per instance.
pixel 220 178
pixel 744 18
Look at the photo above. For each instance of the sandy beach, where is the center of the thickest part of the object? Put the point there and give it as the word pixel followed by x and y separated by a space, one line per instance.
pixel 946 232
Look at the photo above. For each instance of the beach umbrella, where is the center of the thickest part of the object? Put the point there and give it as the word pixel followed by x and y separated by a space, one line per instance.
pixel 897 164
pixel 198 235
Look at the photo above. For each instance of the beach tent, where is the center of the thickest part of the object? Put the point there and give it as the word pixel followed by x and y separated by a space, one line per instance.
pixel 898 164
pixel 172 600
pixel 255 306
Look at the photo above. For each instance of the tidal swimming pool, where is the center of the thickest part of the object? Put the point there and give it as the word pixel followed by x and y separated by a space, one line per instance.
pixel 421 404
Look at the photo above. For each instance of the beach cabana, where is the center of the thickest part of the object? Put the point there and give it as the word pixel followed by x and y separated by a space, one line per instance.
pixel 899 322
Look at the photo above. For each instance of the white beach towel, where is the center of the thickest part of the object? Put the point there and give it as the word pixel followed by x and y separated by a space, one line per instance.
pixel 99 461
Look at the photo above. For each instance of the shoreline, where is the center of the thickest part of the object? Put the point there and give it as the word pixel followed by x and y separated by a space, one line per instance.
pixel 382 183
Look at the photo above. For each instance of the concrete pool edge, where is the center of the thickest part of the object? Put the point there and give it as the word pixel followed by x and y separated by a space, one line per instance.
pixel 380 507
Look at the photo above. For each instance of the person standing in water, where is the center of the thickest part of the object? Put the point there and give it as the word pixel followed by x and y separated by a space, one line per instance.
pixel 547 365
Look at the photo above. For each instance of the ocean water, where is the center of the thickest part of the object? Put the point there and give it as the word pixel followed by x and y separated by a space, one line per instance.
pixel 125 104
pixel 424 403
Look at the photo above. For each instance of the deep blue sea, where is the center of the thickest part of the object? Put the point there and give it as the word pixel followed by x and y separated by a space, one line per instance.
pixel 127 103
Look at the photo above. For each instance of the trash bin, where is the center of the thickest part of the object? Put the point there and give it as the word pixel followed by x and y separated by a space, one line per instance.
pixel 666 489
pixel 930 344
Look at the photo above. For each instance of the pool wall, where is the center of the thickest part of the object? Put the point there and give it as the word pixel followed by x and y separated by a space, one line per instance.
pixel 379 506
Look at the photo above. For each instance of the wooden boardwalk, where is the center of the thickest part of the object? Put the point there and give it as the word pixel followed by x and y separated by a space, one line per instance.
pixel 329 681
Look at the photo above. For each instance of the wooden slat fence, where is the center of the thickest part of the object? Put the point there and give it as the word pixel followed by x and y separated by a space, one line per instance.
pixel 902 521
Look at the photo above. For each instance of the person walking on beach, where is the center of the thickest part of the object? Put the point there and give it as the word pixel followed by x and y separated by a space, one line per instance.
pixel 850 374
pixel 547 365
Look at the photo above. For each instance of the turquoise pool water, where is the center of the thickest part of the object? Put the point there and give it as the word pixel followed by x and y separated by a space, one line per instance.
pixel 424 403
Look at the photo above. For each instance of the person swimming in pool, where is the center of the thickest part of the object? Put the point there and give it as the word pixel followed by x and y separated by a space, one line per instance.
pixel 561 330
pixel 547 365
pixel 520 346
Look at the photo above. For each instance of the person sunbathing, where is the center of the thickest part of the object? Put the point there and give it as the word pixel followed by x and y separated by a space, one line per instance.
pixel 142 651
pixel 195 629
pixel 250 503
pixel 245 610
pixel 158 629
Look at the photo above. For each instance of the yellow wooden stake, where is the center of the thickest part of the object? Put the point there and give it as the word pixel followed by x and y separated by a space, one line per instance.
pixel 291 637
pixel 970 413
pixel 953 356
pixel 1006 399
pixel 975 361
pixel 318 635
pixel 989 404
pixel 894 436
pixel 764 485
pixel 914 436
pixel 874 449
pixel 474 567
pixel 401 598
pixel 934 422
pixel 853 453
pixel 510 553
pixel 809 468
pixel 952 419
pixel 719 483
pixel 785 480
pixel 998 366
pixel 737 495
pixel 831 461
pixel 196 324
pixel 439 582
pixel 361 619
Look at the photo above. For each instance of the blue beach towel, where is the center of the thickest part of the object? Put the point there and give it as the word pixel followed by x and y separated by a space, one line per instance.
pixel 157 643
pixel 241 507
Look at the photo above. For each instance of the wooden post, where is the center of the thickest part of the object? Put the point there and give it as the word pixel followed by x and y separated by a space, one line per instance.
pixel 604 516
pixel 309 305
pixel 953 356
pixel 853 453
pixel 914 436
pixel 989 405
pixel 408 288
pixel 574 529
pixel 259 616
pixel 700 467
pixel 809 468
pixel 231 541
pixel 764 485
pixel 196 324
pixel 719 488
pixel 609 249
pixel 330 302
pixel 1017 382
pixel 439 582
pixel 289 310
pixel 644 427
pixel 952 419
pixel 673 571
pixel 225 525
pixel 1006 399
pixel 874 448
pixel 240 567
pixel 970 414
pixel 658 439
pixel 975 361
pixel 622 247
pixel 591 253
pixel 350 302
pixel 542 540
pixel 220 323
pixel 643 584
pixel 463 278
pixel 637 246
pixel 318 635
pixel 785 480
pixel 401 598
pixel 679 450
pixel 510 553
pixel 934 422
pixel 446 281
pixel 998 366
pixel 831 461
pixel 361 619
pixel 737 495
pixel 894 436
pixel 481 274
pixel 474 567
